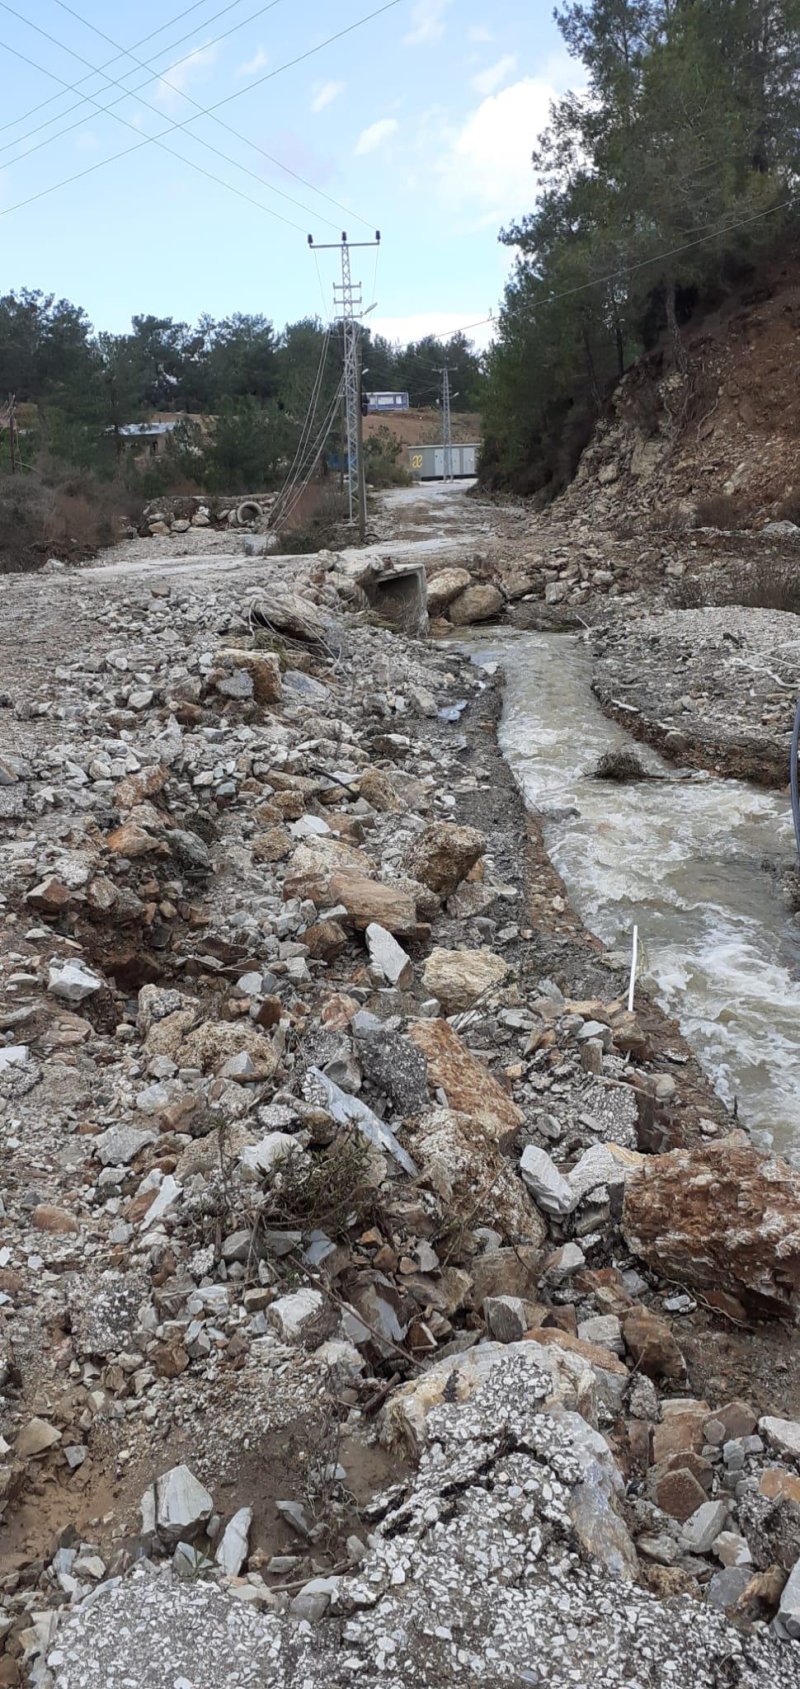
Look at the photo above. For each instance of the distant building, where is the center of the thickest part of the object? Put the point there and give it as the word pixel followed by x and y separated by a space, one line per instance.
pixel 146 436
pixel 387 402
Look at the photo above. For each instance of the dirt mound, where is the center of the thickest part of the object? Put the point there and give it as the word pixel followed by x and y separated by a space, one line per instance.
pixel 423 427
pixel 715 443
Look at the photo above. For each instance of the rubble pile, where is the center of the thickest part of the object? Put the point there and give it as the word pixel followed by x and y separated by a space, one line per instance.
pixel 711 687
pixel 325 1168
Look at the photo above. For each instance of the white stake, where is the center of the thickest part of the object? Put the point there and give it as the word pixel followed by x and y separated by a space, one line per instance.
pixel 633 969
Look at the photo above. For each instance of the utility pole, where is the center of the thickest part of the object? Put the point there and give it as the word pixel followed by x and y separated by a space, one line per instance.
pixel 447 431
pixel 12 431
pixel 349 312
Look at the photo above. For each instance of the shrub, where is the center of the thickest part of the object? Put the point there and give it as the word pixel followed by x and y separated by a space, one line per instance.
pixel 721 510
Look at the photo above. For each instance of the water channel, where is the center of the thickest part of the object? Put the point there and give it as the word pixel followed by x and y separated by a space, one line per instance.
pixel 681 857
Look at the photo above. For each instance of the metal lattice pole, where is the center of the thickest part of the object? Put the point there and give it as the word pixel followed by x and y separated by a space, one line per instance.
pixel 349 308
pixel 447 431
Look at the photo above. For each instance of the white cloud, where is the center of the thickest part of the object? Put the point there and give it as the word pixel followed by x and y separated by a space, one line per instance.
pixel 441 323
pixel 375 135
pixel 259 61
pixel 479 32
pixel 324 95
pixel 168 91
pixel 489 80
pixel 427 18
pixel 486 167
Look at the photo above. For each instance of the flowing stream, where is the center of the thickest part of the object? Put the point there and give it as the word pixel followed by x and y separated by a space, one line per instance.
pixel 683 858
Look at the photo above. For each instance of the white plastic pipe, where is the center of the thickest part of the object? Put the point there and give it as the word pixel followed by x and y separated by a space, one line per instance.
pixel 634 960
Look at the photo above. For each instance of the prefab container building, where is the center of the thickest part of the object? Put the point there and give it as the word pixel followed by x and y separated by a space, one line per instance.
pixel 426 463
pixel 377 402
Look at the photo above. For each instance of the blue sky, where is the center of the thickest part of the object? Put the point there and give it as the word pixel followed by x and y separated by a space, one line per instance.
pixel 421 122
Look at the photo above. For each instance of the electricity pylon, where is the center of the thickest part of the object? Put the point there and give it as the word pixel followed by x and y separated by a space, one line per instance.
pixel 349 311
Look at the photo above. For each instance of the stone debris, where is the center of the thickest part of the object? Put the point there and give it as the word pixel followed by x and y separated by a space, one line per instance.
pixel 327 1144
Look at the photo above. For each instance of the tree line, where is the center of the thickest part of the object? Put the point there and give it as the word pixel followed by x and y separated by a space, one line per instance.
pixel 83 387
pixel 662 184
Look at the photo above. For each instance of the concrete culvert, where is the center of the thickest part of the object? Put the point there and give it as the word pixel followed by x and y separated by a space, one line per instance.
pixel 622 766
pixel 248 512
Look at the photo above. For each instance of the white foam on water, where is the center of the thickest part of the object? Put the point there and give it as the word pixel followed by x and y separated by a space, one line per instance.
pixel 682 859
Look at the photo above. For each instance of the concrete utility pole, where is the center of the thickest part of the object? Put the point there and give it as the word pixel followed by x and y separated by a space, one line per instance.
pixel 349 311
pixel 447 431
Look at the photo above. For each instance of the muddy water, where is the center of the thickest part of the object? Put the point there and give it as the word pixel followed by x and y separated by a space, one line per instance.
pixel 682 858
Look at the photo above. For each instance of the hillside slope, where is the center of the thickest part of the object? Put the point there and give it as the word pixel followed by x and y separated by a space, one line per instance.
pixel 717 444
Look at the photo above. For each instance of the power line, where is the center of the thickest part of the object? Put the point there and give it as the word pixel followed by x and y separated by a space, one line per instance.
pixel 158 142
pixel 231 6
pixel 162 76
pixel 629 269
pixel 307 427
pixel 148 139
pixel 118 118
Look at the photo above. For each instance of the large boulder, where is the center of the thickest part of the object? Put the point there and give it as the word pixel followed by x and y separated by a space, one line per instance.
pixel 458 978
pixel 444 587
pixel 443 855
pixel 476 604
pixel 722 1219
pixel 264 670
pixel 473 1179
pixel 467 1084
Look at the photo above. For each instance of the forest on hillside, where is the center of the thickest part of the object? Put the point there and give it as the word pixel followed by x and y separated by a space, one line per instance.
pixel 658 188
pixel 76 388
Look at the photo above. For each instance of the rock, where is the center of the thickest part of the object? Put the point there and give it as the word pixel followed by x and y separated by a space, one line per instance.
pixel 738 1419
pixel 679 1494
pixel 471 1176
pixel 604 1330
pixel 444 586
pixel 603 1165
pixel 325 940
pixel 781 1434
pixel 377 790
pixel 719 1218
pixel 681 1432
pixel 231 1551
pixel 368 902
pixel 549 1190
pixel 272 846
pixel 506 1272
pixel 732 1549
pixel 469 1087
pixel 264 670
pixel 396 1068
pixel 443 855
pixel 564 1263
pixel 702 1528
pixel 119 1145
pixel 772 1527
pixel 506 1318
pixel 458 978
pixel 189 850
pixel 46 1218
pixel 405 1419
pixel 651 1344
pixel 388 957
pixel 777 1482
pixel 297 1316
pixel 787 1622
pixel 726 1588
pixel 36 1438
pixel 72 981
pixel 476 604
pixel 177 1506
